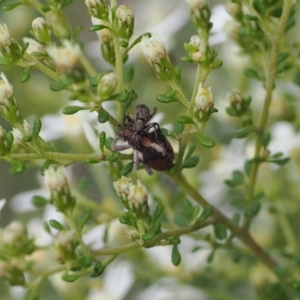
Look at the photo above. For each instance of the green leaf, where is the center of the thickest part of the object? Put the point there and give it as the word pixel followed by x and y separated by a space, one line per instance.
pixel 266 139
pixel 137 40
pixel 148 236
pixel 296 78
pixel 113 157
pixel 11 6
pixel 84 261
pixel 206 141
pixel 39 202
pixel 57 86
pixel 127 169
pixel 181 220
pixel 251 73
pixel 87 216
pixel 27 138
pixel 187 209
pixel 37 125
pixel 98 269
pixel 238 177
pixel 10 139
pixel 124 44
pixel 102 139
pixel 206 213
pixel 280 162
pixel 231 112
pixel 259 7
pixel 103 116
pixel 248 166
pixel 196 210
pixel 252 209
pixel 157 213
pixel 70 110
pixel 220 231
pixel 71 277
pixel 25 75
pixel 176 257
pixel 190 162
pixel 282 56
pixel 98 27
pixel 241 133
pixel 4 61
pixel 184 120
pixel 250 18
pixel 128 75
pixel 108 143
pixel 177 77
pixel 18 167
pixel 168 97
pixel 56 225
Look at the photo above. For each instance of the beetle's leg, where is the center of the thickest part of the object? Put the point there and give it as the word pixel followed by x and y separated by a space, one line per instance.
pixel 136 160
pixel 153 113
pixel 118 148
pixel 148 170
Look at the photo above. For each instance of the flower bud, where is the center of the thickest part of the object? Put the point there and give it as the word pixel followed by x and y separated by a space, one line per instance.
pixel 33 46
pixel 107 86
pixel 195 49
pixel 57 184
pixel 8 45
pixel 125 19
pixel 237 102
pixel 138 200
pixel 204 103
pixel 14 240
pixel 8 106
pixel 11 271
pixel 106 43
pixel 155 51
pixel 97 8
pixel 122 187
pixel 65 58
pixel 200 12
pixel 41 30
pixel 65 245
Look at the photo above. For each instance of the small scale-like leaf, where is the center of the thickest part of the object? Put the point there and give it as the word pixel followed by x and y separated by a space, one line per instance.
pixel 124 44
pixel 252 209
pixel 98 269
pixel 25 75
pixel 241 133
pixel 206 141
pixel 220 231
pixel 185 120
pixel 231 112
pixel 259 6
pixel 157 213
pixel 181 220
pixel 127 169
pixel 57 86
pixel 250 18
pixel 18 167
pixel 168 97
pixel 113 157
pixel 97 27
pixel 37 125
pixel 266 139
pixel 103 116
pixel 70 110
pixel 39 201
pixel 282 56
pixel 190 162
pixel 108 143
pixel 11 6
pixel 251 73
pixel 128 74
pixel 56 225
pixel 176 257
pixel 84 261
pixel 206 213
pixel 71 277
pixel 281 161
pixel 238 177
pixel 102 139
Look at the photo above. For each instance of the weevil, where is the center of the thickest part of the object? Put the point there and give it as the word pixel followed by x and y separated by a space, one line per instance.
pixel 150 148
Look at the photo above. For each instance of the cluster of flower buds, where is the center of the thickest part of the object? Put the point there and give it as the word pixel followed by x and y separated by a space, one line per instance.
pixel 134 197
pixel 57 184
pixel 8 106
pixel 97 8
pixel 204 103
pixel 155 51
pixel 196 49
pixel 200 13
pixel 65 245
pixel 9 47
pixel 238 103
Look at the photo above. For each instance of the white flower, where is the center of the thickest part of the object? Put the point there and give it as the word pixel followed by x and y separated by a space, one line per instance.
pixel 153 48
pixel 5 36
pixel 204 100
pixel 34 46
pixel 66 57
pixel 55 178
pixel 6 89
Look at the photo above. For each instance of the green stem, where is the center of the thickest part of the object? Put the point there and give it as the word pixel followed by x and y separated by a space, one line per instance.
pixel 239 232
pixel 270 84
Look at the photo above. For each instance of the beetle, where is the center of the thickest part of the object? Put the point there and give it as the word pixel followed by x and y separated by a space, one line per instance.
pixel 150 148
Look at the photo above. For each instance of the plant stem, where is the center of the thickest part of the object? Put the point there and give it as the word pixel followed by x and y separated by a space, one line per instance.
pixel 270 84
